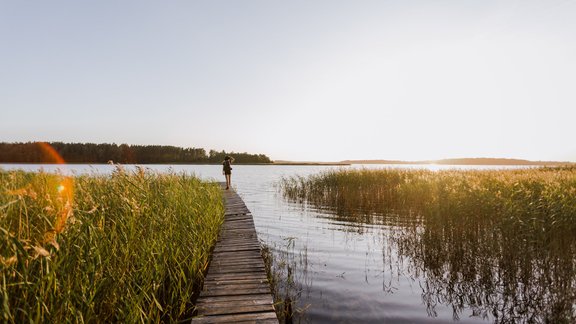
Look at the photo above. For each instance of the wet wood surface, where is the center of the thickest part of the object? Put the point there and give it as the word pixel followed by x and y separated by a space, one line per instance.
pixel 236 289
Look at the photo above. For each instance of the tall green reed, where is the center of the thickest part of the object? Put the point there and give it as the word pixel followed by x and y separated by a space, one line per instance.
pixel 133 249
pixel 534 201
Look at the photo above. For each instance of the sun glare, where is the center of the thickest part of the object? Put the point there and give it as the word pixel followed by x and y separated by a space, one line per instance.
pixel 64 188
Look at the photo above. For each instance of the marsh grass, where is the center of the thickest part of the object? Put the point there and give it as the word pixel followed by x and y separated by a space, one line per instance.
pixel 500 243
pixel 129 247
pixel 535 202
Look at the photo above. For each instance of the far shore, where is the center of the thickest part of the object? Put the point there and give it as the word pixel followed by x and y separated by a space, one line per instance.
pixel 466 161
pixel 309 163
pixel 461 161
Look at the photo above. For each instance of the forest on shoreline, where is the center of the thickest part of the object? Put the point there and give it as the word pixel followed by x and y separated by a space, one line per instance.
pixel 34 152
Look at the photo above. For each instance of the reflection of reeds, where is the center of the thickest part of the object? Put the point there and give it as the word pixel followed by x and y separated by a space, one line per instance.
pixel 501 243
pixel 288 276
pixel 131 247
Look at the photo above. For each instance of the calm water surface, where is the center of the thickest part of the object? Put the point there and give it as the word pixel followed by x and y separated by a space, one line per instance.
pixel 344 272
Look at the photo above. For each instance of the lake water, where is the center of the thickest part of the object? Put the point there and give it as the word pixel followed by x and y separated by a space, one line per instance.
pixel 343 271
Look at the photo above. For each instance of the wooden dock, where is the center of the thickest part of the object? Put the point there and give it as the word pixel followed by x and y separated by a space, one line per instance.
pixel 236 288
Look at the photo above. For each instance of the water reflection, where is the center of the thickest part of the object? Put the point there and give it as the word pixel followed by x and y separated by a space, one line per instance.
pixel 491 273
pixel 476 268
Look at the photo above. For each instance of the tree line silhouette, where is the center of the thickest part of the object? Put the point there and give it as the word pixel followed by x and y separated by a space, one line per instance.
pixel 32 152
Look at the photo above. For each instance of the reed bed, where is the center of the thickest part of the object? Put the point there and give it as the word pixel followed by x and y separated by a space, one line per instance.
pixel 534 201
pixel 500 243
pixel 128 247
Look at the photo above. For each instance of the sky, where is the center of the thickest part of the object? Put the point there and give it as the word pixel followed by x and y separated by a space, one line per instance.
pixel 295 80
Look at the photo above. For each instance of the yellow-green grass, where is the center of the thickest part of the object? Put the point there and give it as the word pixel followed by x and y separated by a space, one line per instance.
pixel 501 243
pixel 127 247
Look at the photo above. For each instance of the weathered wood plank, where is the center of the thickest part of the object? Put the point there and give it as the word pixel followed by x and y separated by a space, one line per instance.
pixel 234 292
pixel 237 248
pixel 238 257
pixel 233 275
pixel 233 263
pixel 241 289
pixel 238 270
pixel 248 261
pixel 238 281
pixel 222 303
pixel 239 263
pixel 237 244
pixel 267 317
pixel 234 308
pixel 261 298
pixel 231 243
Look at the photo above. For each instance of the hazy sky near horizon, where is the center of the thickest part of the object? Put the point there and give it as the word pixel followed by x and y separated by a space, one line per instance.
pixel 297 80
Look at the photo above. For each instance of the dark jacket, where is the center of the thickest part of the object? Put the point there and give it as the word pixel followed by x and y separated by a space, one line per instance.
pixel 226 167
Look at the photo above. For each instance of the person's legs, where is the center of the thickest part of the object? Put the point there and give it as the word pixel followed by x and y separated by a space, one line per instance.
pixel 228 180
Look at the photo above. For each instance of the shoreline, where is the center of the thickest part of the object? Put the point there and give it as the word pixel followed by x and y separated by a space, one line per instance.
pixel 463 162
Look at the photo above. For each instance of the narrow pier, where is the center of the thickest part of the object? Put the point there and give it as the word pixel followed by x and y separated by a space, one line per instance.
pixel 236 288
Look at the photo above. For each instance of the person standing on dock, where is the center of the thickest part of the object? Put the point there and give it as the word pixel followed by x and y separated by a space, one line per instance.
pixel 227 170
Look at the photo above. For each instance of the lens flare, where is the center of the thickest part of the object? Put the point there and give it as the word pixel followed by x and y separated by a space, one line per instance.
pixel 65 189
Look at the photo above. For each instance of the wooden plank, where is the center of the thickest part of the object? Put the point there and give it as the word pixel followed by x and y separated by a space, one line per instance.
pixel 267 317
pixel 236 288
pixel 234 308
pixel 232 262
pixel 223 270
pixel 247 258
pixel 235 292
pixel 236 245
pixel 238 235
pixel 234 242
pixel 238 281
pixel 237 248
pixel 239 289
pixel 224 264
pixel 233 276
pixel 243 270
pixel 262 298
pixel 240 227
pixel 224 302
pixel 247 255
pixel 229 276
pixel 240 249
pixel 236 263
pixel 237 255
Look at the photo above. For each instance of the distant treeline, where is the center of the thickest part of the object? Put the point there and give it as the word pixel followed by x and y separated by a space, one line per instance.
pixel 33 152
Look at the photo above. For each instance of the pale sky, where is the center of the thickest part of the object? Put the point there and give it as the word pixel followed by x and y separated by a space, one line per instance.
pixel 296 80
